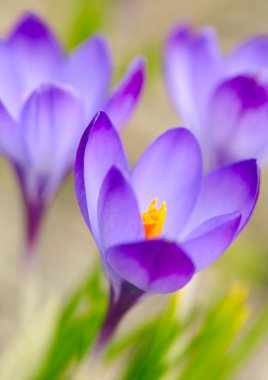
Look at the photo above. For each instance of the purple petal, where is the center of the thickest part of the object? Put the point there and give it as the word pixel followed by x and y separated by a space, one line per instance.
pixel 35 50
pixel 89 70
pixel 118 213
pixel 232 188
pixel 250 57
pixel 209 241
pixel 170 170
pixel 79 180
pixel 10 89
pixel 193 65
pixel 100 149
pixel 238 119
pixel 154 266
pixel 10 139
pixel 51 125
pixel 124 98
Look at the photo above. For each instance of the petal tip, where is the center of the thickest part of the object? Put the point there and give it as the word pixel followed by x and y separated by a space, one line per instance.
pixel 29 25
pixel 185 133
pixel 101 120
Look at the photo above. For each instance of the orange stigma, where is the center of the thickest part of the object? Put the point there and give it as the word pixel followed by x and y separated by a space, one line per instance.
pixel 154 220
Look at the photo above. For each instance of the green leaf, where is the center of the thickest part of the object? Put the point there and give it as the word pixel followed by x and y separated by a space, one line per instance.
pixel 246 344
pixel 76 330
pixel 206 352
pixel 89 17
pixel 150 346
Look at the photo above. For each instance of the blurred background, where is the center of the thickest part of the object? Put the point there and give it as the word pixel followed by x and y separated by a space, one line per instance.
pixel 67 251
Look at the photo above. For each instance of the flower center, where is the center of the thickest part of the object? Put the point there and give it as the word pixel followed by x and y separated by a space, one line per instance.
pixel 154 219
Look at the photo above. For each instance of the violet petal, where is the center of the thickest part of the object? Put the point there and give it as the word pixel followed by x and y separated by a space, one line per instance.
pixel 100 149
pixel 251 57
pixel 118 213
pixel 125 96
pixel 50 122
pixel 233 188
pixel 10 139
pixel 154 266
pixel 209 241
pixel 89 70
pixel 170 169
pixel 238 119
pixel 193 65
pixel 35 50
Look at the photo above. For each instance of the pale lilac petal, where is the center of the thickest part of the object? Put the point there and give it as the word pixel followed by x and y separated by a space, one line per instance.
pixel 124 98
pixel 154 266
pixel 35 51
pixel 209 241
pixel 118 212
pixel 10 138
pixel 170 170
pixel 251 57
pixel 232 188
pixel 10 89
pixel 192 65
pixel 89 70
pixel 51 126
pixel 238 119
pixel 100 149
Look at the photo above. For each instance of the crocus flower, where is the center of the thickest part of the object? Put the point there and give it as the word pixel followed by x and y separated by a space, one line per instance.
pixel 223 100
pixel 47 98
pixel 163 221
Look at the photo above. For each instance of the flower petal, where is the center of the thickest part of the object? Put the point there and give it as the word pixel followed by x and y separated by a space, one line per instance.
pixel 251 57
pixel 209 241
pixel 10 139
pixel 10 89
pixel 118 213
pixel 232 188
pixel 126 95
pixel 51 124
pixel 238 119
pixel 170 169
pixel 89 70
pixel 36 52
pixel 100 149
pixel 154 266
pixel 193 65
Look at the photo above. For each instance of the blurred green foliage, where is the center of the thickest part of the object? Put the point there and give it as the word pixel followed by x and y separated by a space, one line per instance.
pixel 77 327
pixel 209 343
pixel 150 344
pixel 245 260
pixel 89 17
pixel 207 351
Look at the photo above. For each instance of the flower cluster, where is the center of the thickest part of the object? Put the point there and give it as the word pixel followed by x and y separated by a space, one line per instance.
pixel 46 102
pixel 158 224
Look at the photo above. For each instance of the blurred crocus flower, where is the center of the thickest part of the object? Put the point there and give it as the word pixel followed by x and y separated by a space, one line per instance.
pixel 47 98
pixel 223 100
pixel 160 223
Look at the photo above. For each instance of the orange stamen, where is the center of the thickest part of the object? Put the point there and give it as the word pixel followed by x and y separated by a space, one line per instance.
pixel 154 220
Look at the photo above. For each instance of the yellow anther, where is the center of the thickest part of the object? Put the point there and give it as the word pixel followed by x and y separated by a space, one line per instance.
pixel 154 220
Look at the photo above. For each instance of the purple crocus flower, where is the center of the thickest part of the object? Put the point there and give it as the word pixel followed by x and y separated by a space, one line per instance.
pixel 223 100
pixel 163 221
pixel 47 98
